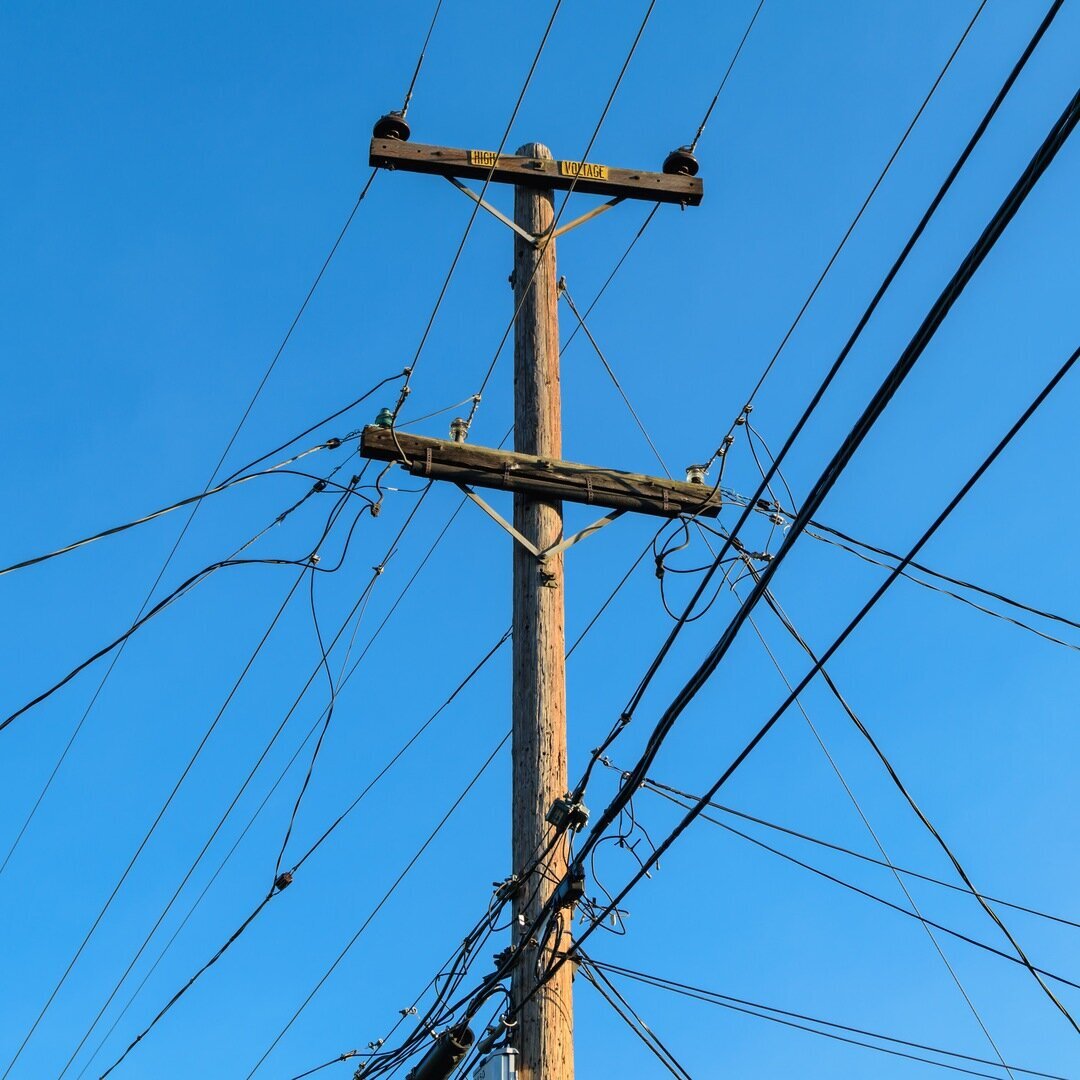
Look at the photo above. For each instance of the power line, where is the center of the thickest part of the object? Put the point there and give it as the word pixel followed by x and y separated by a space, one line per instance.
pixel 715 998
pixel 243 787
pixel 619 1005
pixel 877 183
pixel 723 82
pixel 378 907
pixel 855 888
pixel 1053 142
pixel 344 678
pixel 862 856
pixel 824 658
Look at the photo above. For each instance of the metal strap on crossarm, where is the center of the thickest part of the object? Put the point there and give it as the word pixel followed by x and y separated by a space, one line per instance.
pixel 527 544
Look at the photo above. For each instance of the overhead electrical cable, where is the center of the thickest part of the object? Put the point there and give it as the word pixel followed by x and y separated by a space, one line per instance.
pixel 382 901
pixel 682 698
pixel 723 81
pixel 154 824
pixel 585 631
pixel 549 235
pixel 602 985
pixel 406 389
pixel 692 800
pixel 1050 146
pixel 656 785
pixel 1046 153
pixel 243 787
pixel 715 998
pixel 877 184
pixel 342 681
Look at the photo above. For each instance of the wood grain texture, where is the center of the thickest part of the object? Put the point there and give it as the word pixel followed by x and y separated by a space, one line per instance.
pixel 545 477
pixel 539 173
pixel 545 1033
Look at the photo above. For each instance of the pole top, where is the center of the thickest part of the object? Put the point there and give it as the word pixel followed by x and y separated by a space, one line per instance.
pixel 535 150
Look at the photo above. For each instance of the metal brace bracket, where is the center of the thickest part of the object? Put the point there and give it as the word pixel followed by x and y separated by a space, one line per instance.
pixel 595 212
pixel 524 233
pixel 527 544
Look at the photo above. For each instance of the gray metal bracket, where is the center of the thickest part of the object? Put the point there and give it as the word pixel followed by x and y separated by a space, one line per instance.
pixel 528 545
pixel 595 212
pixel 524 233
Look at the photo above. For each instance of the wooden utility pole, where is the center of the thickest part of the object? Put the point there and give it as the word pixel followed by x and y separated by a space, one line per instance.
pixel 543 1027
pixel 545 1032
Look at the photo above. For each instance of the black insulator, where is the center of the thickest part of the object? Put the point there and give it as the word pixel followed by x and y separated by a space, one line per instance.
pixel 392 126
pixel 680 162
pixel 450 1047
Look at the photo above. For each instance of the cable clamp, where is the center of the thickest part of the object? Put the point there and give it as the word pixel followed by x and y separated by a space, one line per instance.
pixel 570 890
pixel 283 881
pixel 507 888
pixel 313 558
pixel 379 569
pixel 566 813
pixel 332 444
pixel 319 485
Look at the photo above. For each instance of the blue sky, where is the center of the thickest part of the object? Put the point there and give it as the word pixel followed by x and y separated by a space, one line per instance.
pixel 173 180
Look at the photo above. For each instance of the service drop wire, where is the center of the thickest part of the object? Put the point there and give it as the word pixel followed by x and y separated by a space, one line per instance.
pixel 307 567
pixel 276 887
pixel 160 606
pixel 538 856
pixel 344 677
pixel 701 805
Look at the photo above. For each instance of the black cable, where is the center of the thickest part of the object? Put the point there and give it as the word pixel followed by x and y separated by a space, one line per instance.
pixel 856 889
pixel 476 208
pixel 378 907
pixel 592 622
pixel 623 1011
pixel 150 832
pixel 862 856
pixel 881 177
pixel 824 658
pixel 723 82
pixel 318 424
pixel 243 787
pixel 549 236
pixel 420 59
pixel 1053 142
pixel 344 678
pixel 714 998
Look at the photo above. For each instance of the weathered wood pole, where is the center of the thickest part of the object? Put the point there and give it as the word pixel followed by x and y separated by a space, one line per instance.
pixel 545 1033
